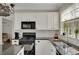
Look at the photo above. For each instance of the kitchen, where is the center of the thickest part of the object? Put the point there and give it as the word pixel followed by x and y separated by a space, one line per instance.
pixel 40 29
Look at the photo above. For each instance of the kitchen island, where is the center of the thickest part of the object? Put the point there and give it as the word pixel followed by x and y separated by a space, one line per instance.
pixel 12 50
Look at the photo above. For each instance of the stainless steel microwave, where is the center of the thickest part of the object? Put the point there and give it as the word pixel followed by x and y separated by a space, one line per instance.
pixel 27 25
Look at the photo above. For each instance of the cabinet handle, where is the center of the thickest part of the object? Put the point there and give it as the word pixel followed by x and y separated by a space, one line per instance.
pixel 15 41
pixel 38 41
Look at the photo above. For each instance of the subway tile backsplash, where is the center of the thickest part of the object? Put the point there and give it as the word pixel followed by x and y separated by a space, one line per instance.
pixel 44 33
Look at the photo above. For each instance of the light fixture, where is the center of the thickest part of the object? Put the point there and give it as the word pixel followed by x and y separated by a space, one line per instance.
pixel 6 9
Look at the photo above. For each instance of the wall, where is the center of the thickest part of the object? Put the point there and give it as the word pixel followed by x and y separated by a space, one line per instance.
pixel 40 33
pixel 43 33
pixel 46 33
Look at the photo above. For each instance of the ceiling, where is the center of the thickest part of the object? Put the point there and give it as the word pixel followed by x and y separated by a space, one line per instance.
pixel 38 6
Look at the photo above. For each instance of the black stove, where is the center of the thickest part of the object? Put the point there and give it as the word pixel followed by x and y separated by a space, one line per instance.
pixel 28 38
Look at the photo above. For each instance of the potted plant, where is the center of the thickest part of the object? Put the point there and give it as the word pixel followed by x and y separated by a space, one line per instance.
pixel 76 32
pixel 65 27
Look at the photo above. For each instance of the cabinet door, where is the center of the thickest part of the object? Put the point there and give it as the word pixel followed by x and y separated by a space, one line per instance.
pixel 41 22
pixel 50 21
pixel 19 17
pixel 52 49
pixel 42 47
pixel 56 21
pixel 32 17
pixel 53 21
pixel 17 24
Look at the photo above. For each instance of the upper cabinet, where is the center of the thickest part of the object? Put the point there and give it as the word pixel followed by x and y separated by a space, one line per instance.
pixel 44 20
pixel 23 16
pixel 50 21
pixel 53 21
pixel 47 21
pixel 41 21
pixel 56 21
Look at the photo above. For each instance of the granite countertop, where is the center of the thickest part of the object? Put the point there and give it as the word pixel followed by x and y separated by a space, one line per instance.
pixel 64 48
pixel 11 50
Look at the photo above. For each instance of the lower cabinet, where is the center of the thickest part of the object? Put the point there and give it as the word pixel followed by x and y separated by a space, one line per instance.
pixel 44 47
pixel 21 52
pixel 52 49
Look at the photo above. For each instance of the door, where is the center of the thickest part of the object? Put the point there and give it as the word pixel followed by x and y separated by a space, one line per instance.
pixel 43 47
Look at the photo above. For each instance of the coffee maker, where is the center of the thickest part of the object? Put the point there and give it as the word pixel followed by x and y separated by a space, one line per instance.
pixel 16 35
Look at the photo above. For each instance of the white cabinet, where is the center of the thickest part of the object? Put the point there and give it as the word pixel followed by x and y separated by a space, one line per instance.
pixel 56 21
pixel 41 21
pixel 25 16
pixel 52 49
pixel 17 22
pixel 47 21
pixel 50 21
pixel 44 20
pixel 43 47
pixel 53 21
pixel 21 52
pixel 21 16
pixel 15 42
pixel 32 17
